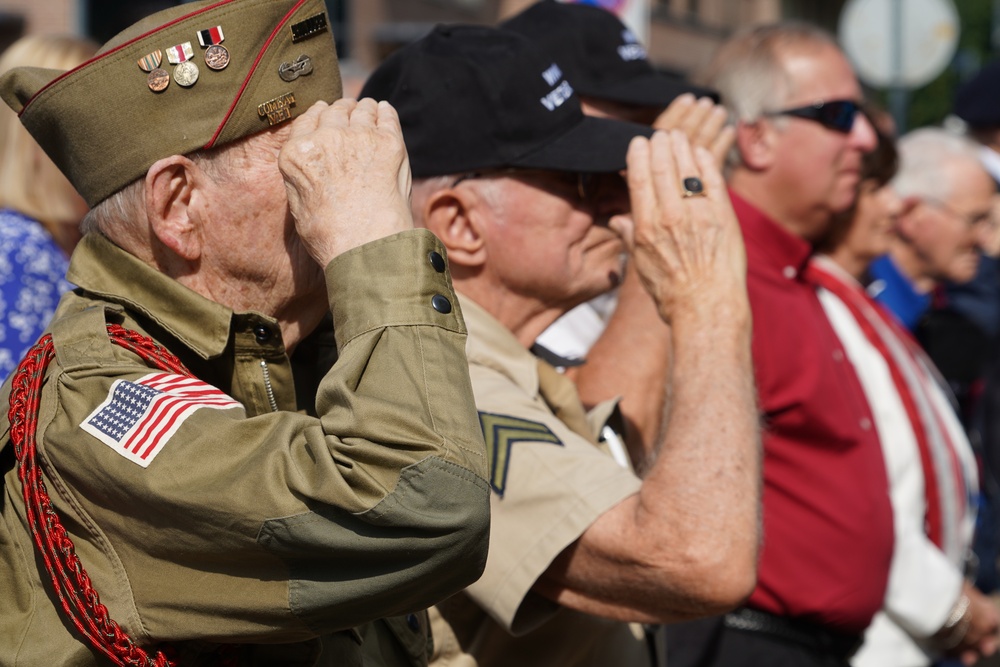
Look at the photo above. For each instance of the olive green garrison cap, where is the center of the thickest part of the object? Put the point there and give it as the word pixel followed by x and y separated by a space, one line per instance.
pixel 194 76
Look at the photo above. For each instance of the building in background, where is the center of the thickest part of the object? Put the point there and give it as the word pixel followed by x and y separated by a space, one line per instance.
pixel 682 33
pixel 680 37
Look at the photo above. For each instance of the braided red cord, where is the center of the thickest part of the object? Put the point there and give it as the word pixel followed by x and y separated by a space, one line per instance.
pixel 72 585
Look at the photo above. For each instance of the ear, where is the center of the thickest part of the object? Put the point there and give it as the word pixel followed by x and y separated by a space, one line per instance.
pixel 908 204
pixel 455 218
pixel 755 142
pixel 910 215
pixel 170 187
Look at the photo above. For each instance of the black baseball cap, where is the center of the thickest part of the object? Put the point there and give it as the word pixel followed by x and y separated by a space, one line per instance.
pixel 478 97
pixel 601 56
pixel 977 101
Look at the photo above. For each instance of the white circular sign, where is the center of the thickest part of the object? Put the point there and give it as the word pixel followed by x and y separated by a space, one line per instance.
pixel 929 32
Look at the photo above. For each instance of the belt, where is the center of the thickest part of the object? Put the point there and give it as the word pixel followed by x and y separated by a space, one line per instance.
pixel 804 634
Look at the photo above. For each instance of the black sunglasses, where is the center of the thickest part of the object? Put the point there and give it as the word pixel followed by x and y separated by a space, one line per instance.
pixel 837 115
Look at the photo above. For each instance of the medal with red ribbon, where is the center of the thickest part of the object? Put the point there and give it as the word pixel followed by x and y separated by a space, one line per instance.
pixel 216 55
pixel 186 72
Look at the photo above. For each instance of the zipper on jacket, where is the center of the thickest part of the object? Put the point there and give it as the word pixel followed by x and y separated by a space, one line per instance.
pixel 268 387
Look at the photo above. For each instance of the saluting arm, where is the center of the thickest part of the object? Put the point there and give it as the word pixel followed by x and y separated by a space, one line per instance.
pixel 686 544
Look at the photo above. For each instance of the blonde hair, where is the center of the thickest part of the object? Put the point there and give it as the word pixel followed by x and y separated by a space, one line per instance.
pixel 30 183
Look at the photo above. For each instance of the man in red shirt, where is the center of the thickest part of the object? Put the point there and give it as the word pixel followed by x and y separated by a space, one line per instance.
pixel 827 517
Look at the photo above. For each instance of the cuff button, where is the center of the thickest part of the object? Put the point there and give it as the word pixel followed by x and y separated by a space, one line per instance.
pixel 437 261
pixel 441 304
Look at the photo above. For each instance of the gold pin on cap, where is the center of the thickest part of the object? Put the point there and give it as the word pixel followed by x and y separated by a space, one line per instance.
pixel 277 110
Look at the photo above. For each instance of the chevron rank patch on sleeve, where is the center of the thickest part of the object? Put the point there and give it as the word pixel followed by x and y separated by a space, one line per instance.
pixel 500 433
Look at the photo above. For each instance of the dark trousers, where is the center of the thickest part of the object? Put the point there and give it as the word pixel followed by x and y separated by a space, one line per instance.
pixel 709 643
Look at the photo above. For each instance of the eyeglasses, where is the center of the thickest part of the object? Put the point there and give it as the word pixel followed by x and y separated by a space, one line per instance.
pixel 970 219
pixel 584 186
pixel 837 115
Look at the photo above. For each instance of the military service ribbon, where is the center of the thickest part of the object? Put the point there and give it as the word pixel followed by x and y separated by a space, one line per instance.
pixel 211 36
pixel 180 53
pixel 150 61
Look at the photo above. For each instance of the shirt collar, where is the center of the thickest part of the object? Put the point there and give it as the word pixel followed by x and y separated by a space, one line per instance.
pixel 785 252
pixel 826 263
pixel 491 344
pixel 991 161
pixel 100 267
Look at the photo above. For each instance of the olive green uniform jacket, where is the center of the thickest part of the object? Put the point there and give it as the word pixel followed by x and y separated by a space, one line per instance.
pixel 256 523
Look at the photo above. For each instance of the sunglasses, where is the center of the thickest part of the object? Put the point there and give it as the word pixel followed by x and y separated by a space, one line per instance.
pixel 837 115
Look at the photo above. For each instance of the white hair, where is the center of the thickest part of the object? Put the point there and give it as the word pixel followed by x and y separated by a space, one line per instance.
pixel 127 207
pixel 749 71
pixel 424 188
pixel 924 158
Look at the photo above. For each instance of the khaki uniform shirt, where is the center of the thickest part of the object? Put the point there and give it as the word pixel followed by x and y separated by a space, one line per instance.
pixel 550 483
pixel 256 524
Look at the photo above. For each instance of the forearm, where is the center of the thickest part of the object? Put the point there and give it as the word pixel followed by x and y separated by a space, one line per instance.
pixel 631 360
pixel 686 544
pixel 701 499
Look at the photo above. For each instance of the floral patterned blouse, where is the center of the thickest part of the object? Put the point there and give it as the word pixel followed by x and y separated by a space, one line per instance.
pixel 32 279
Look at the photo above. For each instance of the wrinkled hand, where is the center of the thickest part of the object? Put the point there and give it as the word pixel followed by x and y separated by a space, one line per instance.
pixel 981 639
pixel 703 121
pixel 347 176
pixel 688 252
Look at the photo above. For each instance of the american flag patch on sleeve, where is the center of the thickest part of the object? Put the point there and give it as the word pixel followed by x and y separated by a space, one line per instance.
pixel 138 418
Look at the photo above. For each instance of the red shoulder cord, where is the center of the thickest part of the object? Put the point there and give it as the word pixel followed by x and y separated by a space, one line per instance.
pixel 78 598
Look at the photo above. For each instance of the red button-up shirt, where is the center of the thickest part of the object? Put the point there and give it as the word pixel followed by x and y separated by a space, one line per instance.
pixel 827 517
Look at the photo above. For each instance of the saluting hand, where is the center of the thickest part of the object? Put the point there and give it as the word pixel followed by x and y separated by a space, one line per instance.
pixel 347 176
pixel 688 250
pixel 703 121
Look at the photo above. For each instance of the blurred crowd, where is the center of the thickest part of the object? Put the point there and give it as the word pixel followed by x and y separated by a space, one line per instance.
pixel 531 355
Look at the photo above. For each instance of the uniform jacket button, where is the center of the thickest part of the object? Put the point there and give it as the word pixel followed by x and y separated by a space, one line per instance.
pixel 441 304
pixel 413 622
pixel 437 261
pixel 262 333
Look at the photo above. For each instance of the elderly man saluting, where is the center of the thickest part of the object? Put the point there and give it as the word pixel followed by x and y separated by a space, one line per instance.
pixel 168 493
pixel 527 195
